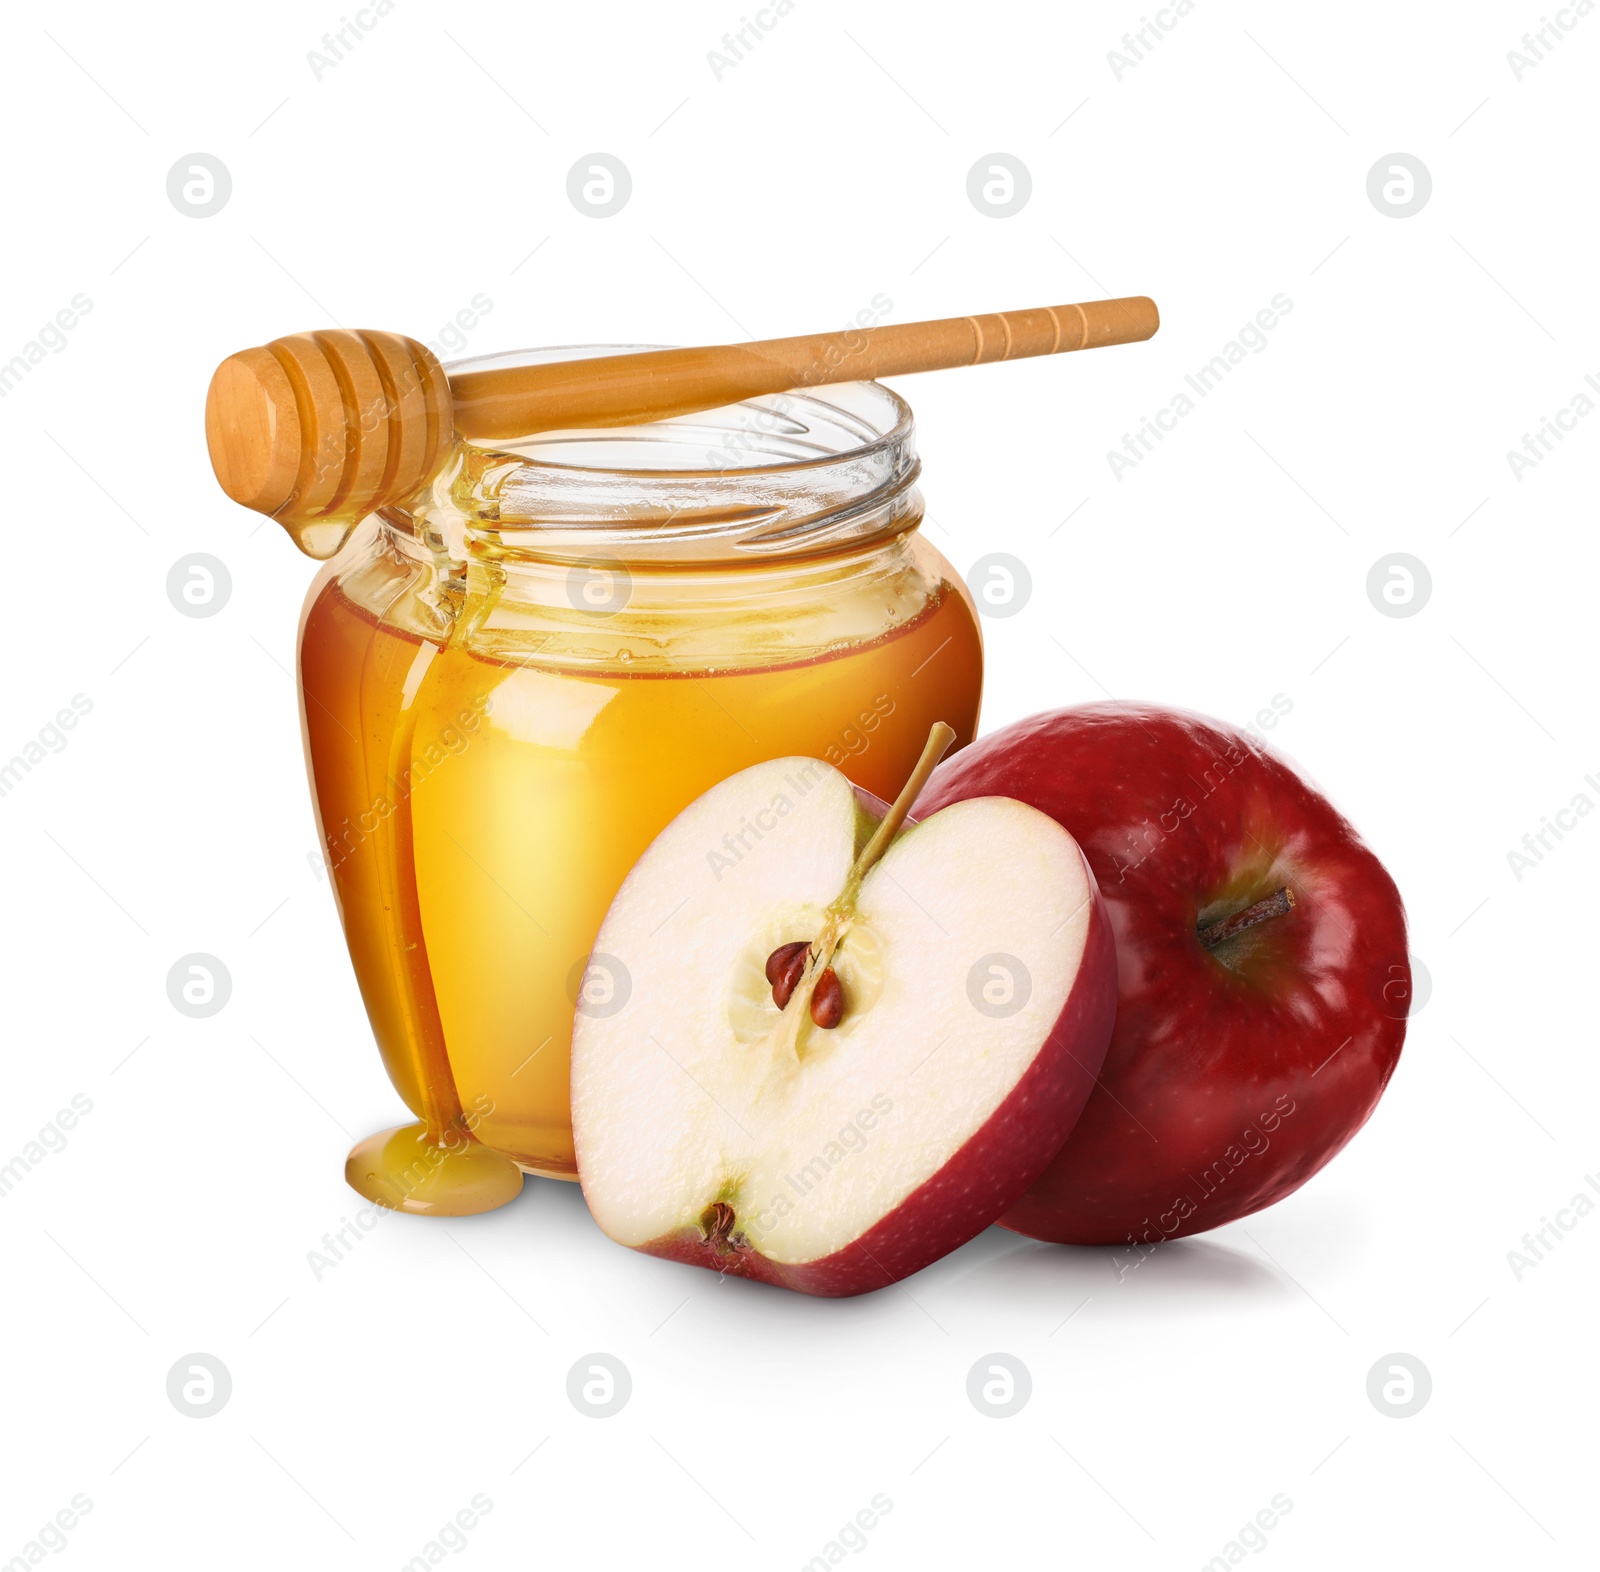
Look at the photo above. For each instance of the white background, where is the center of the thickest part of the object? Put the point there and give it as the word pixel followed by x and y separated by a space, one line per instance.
pixel 1228 166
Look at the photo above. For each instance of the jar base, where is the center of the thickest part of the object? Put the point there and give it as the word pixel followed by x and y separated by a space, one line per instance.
pixel 406 1171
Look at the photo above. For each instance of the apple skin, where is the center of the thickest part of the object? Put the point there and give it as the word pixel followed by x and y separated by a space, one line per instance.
pixel 984 1176
pixel 1226 1086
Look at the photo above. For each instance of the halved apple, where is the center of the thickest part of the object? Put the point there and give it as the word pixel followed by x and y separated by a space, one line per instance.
pixel 949 990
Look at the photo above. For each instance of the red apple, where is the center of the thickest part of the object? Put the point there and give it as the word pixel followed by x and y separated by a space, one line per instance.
pixel 847 1044
pixel 1263 979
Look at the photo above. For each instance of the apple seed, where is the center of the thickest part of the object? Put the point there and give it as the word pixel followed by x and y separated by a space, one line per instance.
pixel 827 1001
pixel 785 967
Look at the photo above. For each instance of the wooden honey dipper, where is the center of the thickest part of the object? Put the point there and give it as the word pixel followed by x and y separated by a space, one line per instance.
pixel 321 429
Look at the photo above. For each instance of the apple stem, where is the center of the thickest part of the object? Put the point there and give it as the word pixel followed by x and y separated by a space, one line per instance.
pixel 940 736
pixel 1275 905
pixel 818 988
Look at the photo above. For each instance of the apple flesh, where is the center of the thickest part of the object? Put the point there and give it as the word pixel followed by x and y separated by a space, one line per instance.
pixel 977 979
pixel 1238 1065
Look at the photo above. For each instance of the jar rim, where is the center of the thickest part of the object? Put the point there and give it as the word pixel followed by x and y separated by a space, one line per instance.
pixel 901 428
pixel 811 469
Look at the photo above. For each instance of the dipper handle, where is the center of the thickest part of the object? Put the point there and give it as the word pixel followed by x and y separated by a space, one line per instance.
pixel 320 429
pixel 623 390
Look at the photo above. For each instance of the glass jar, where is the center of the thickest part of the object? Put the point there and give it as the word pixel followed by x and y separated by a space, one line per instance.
pixel 511 686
